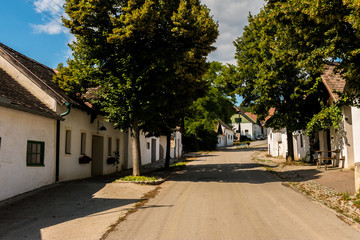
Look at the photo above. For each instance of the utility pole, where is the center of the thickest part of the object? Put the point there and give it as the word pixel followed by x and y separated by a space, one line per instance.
pixel 239 129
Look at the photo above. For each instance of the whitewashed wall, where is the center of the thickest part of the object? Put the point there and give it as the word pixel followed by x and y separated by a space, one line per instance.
pixel 16 128
pixel 146 146
pixel 78 122
pixel 356 133
pixel 247 127
pixel 226 139
pixel 277 143
pixel 301 151
pixel 256 131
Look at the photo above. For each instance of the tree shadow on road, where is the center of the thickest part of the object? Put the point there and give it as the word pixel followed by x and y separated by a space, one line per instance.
pixel 240 173
pixel 25 218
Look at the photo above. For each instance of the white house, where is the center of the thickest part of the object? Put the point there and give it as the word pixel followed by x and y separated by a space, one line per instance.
pixel 176 147
pixel 27 133
pixel 278 147
pixel 46 137
pixel 225 135
pixel 249 124
pixel 345 137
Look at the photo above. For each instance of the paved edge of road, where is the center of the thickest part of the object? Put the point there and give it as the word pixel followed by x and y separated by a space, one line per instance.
pixel 336 202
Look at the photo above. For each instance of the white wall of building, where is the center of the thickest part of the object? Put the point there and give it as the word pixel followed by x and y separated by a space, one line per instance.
pixel 247 130
pixel 16 128
pixel 146 146
pixel 301 146
pixel 356 133
pixel 277 143
pixel 78 122
pixel 226 139
pixel 176 147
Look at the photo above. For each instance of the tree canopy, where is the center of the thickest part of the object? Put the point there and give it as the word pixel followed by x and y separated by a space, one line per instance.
pixel 282 54
pixel 270 75
pixel 217 104
pixel 146 58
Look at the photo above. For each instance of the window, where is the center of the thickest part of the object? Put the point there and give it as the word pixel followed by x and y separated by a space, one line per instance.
pixel 35 153
pixel 246 131
pixel 301 141
pixel 83 144
pixel 109 146
pixel 147 145
pixel 0 142
pixel 68 142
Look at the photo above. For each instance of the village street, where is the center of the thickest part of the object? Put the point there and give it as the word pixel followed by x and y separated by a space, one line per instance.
pixel 225 195
pixel 221 195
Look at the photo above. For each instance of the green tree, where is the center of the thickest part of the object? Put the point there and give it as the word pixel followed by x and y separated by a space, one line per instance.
pixel 272 73
pixel 217 104
pixel 139 54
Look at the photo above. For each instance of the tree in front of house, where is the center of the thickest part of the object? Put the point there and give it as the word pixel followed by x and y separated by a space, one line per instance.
pixel 137 55
pixel 217 104
pixel 273 74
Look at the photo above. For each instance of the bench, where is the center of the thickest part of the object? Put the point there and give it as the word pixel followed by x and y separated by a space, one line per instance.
pixel 335 158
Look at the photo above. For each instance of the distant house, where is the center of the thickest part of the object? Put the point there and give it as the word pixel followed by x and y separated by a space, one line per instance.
pixel 176 147
pixel 249 125
pixel 278 147
pixel 225 135
pixel 46 137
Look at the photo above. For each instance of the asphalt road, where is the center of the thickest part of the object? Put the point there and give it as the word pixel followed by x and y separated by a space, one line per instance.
pixel 225 195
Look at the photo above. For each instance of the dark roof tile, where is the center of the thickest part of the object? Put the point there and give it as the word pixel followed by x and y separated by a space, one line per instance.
pixel 15 95
pixel 333 82
pixel 40 74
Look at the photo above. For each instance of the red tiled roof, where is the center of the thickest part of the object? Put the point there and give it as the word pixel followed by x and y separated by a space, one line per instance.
pixel 271 112
pixel 333 81
pixel 252 116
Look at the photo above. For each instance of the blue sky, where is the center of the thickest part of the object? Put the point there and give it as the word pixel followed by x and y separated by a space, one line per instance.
pixel 32 27
pixel 19 20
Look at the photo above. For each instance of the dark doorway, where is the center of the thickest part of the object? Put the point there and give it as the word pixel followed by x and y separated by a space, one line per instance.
pixel 97 156
pixel 153 150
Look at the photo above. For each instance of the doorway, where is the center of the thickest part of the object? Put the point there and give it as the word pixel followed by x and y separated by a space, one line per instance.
pixel 97 156
pixel 153 150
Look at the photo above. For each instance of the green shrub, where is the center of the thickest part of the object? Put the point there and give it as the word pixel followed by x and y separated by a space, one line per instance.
pixel 137 179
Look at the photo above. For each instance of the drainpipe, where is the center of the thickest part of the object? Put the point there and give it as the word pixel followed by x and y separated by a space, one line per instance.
pixel 68 105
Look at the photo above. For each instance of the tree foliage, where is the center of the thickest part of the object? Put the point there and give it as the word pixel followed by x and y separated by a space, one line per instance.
pixel 327 118
pixel 270 76
pixel 283 51
pixel 146 58
pixel 217 104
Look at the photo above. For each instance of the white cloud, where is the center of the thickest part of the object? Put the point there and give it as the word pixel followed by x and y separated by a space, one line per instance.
pixel 52 27
pixel 232 17
pixel 54 7
pixel 51 10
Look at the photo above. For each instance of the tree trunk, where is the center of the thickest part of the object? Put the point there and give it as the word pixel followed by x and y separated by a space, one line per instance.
pixel 290 143
pixel 167 158
pixel 196 142
pixel 137 152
